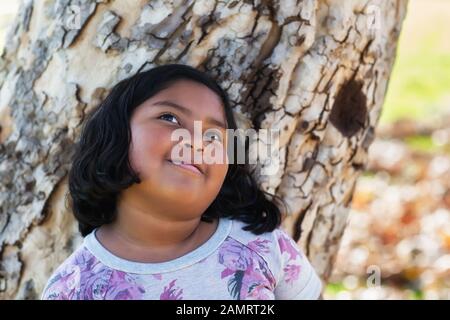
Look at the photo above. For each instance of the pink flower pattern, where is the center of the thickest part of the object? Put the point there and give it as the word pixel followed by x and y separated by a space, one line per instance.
pixel 171 292
pixel 86 278
pixel 291 271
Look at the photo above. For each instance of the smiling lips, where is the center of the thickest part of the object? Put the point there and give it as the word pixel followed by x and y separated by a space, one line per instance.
pixel 190 167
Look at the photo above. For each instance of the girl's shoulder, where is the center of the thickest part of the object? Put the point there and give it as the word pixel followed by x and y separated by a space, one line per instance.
pixel 277 241
pixel 71 276
pixel 271 246
pixel 276 252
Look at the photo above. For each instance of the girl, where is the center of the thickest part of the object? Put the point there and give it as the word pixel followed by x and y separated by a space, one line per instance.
pixel 155 228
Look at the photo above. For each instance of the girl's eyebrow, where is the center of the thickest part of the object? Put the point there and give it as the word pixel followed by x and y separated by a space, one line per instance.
pixel 188 112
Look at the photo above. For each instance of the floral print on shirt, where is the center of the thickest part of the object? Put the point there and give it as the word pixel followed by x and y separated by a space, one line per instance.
pixel 292 268
pixel 249 275
pixel 172 292
pixel 237 269
pixel 87 278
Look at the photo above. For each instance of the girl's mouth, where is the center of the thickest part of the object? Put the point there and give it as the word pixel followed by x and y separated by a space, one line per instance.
pixel 185 166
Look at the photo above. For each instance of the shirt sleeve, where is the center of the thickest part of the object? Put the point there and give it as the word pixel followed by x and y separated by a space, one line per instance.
pixel 298 280
pixel 63 285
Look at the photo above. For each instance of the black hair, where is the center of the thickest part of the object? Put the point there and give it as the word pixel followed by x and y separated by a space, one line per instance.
pixel 101 170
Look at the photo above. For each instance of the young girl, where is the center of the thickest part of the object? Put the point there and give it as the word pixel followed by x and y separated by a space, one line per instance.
pixel 155 228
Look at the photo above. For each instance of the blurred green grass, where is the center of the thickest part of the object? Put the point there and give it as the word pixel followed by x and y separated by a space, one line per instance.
pixel 419 87
pixel 424 143
pixel 333 288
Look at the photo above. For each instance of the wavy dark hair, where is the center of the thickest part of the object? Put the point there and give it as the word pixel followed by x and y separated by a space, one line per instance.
pixel 101 170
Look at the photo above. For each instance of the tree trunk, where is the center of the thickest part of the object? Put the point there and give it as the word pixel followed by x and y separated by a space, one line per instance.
pixel 317 70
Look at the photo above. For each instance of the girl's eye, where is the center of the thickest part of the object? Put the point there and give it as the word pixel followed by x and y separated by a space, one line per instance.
pixel 216 136
pixel 169 116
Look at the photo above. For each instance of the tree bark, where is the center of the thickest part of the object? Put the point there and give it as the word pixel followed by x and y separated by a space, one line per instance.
pixel 317 70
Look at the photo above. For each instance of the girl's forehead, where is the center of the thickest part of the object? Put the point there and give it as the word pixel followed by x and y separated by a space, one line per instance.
pixel 192 99
pixel 189 89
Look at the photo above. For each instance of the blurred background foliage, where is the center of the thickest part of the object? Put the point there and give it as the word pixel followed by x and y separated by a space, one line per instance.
pixel 397 243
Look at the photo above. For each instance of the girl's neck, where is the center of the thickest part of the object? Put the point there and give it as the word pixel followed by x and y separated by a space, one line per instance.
pixel 148 237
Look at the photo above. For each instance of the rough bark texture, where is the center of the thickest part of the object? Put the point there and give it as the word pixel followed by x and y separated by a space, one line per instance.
pixel 317 70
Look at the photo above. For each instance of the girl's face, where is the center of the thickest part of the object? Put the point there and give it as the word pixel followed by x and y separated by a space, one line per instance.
pixel 174 189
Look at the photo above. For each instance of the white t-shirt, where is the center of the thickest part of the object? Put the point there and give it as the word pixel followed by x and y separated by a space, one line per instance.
pixel 233 264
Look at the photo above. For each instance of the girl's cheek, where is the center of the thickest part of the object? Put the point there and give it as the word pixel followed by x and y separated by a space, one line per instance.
pixel 153 134
pixel 149 145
